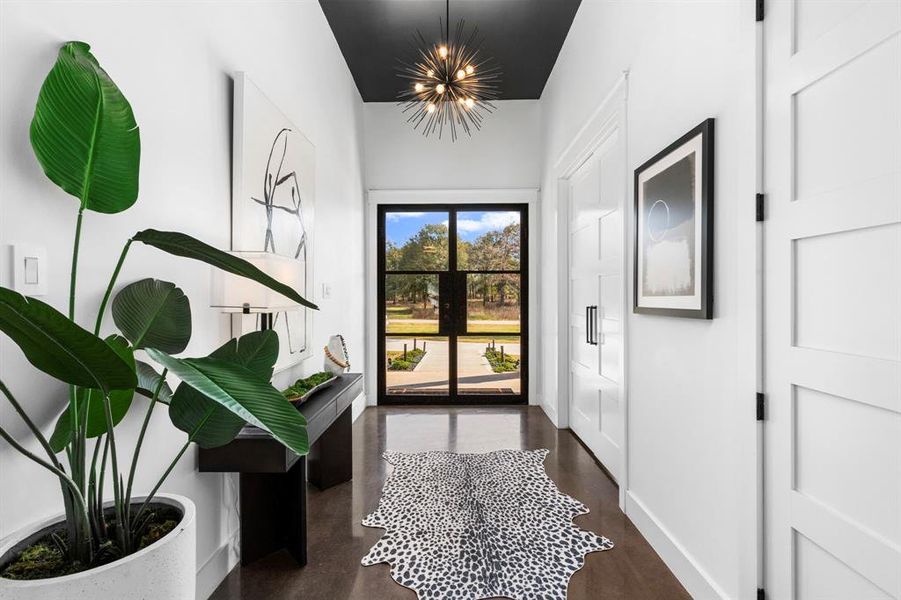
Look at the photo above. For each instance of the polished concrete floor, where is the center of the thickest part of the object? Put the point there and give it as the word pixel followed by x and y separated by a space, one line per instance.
pixel 337 541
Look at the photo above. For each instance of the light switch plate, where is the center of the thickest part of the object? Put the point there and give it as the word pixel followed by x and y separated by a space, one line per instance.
pixel 29 269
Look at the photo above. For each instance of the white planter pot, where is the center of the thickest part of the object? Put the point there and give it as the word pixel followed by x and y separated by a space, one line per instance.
pixel 166 569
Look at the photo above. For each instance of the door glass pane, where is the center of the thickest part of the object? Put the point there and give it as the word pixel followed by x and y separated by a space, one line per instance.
pixel 417 366
pixel 489 364
pixel 416 241
pixel 411 304
pixel 492 303
pixel 488 240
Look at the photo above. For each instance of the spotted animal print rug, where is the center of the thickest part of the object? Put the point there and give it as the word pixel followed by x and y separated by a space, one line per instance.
pixel 472 526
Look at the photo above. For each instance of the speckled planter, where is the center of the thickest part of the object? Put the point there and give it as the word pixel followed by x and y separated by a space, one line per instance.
pixel 166 569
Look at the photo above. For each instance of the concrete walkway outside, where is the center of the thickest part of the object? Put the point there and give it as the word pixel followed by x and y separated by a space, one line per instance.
pixel 432 371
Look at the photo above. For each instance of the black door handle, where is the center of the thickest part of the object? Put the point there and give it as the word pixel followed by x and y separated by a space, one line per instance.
pixel 592 325
pixel 588 325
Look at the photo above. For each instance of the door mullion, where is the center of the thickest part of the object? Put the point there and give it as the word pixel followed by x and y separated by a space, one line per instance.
pixel 452 300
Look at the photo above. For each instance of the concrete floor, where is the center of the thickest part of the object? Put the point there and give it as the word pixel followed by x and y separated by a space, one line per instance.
pixel 337 541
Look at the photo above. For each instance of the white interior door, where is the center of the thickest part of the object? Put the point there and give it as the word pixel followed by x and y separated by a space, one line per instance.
pixel 833 299
pixel 596 299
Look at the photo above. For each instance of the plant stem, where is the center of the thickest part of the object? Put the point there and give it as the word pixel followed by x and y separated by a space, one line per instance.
pixel 100 486
pixel 75 494
pixel 139 444
pixel 178 456
pixel 92 489
pixel 71 517
pixel 77 456
pixel 114 463
pixel 74 271
pixel 34 429
pixel 162 479
pixel 109 288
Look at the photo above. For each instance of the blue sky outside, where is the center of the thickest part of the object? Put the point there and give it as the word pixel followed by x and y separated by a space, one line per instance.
pixel 401 226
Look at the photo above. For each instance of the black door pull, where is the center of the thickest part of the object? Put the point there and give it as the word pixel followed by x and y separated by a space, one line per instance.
pixel 592 325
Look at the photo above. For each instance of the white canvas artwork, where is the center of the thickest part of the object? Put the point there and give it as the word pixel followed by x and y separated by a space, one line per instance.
pixel 670 229
pixel 674 228
pixel 273 200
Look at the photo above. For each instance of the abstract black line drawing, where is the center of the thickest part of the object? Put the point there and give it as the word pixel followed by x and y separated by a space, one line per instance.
pixel 273 182
pixel 273 202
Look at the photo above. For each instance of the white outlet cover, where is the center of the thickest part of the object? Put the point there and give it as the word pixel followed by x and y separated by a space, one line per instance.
pixel 29 269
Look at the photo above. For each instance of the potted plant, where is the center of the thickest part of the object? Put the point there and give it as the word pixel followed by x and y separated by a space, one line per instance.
pixel 86 139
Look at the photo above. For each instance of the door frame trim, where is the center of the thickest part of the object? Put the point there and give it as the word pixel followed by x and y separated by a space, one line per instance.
pixel 376 197
pixel 611 113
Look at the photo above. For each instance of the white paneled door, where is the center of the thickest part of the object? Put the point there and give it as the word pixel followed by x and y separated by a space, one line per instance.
pixel 833 299
pixel 596 297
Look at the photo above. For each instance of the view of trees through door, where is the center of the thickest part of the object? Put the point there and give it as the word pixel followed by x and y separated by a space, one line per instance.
pixel 452 287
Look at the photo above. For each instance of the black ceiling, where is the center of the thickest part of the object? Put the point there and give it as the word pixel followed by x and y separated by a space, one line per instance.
pixel 523 36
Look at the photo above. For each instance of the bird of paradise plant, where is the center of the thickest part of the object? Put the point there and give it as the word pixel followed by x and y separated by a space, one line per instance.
pixel 87 141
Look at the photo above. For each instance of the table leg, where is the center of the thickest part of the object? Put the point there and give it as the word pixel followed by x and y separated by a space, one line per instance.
pixel 273 513
pixel 331 457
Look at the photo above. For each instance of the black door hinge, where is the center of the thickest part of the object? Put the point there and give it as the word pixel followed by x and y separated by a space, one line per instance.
pixel 761 406
pixel 759 11
pixel 761 595
pixel 761 211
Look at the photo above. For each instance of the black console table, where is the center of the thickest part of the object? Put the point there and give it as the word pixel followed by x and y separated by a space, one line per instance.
pixel 273 489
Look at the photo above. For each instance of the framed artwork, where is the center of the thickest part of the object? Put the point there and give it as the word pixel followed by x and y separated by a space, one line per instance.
pixel 273 201
pixel 674 228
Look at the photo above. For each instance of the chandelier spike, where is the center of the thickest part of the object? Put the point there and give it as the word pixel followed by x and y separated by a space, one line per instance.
pixel 448 85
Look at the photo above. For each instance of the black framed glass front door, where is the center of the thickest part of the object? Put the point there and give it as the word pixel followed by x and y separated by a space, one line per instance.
pixel 452 298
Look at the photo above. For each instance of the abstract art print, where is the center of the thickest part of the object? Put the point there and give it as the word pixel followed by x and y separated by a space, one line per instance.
pixel 273 199
pixel 674 228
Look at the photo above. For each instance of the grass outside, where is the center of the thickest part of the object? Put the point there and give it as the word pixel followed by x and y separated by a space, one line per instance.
pixel 476 327
pixel 477 310
pixel 399 312
pixel 410 311
pixel 395 328
pixel 506 364
pixel 396 360
pixel 473 339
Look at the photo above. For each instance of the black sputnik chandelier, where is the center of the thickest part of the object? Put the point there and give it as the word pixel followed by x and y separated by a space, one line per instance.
pixel 448 83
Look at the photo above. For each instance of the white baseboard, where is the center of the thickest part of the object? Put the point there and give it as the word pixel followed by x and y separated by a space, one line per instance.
pixel 550 411
pixel 213 571
pixel 359 405
pixel 683 565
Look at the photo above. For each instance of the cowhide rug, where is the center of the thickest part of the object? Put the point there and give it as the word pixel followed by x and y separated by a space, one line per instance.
pixel 471 526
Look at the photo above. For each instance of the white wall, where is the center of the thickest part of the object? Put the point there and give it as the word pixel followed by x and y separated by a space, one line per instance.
pixel 504 154
pixel 173 60
pixel 690 417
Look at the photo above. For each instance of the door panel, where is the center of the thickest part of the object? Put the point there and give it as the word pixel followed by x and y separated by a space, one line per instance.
pixel 453 292
pixel 493 304
pixel 489 366
pixel 596 297
pixel 412 304
pixel 586 407
pixel 832 330
pixel 416 366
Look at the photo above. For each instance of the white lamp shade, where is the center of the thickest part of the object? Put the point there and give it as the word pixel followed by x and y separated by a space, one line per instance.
pixel 232 293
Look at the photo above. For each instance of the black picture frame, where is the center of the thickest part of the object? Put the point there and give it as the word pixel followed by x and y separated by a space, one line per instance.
pixel 699 304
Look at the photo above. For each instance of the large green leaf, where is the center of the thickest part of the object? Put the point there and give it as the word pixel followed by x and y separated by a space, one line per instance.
pixel 84 133
pixel 148 380
pixel 120 402
pixel 181 244
pixel 153 314
pixel 239 390
pixel 59 347
pixel 255 351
